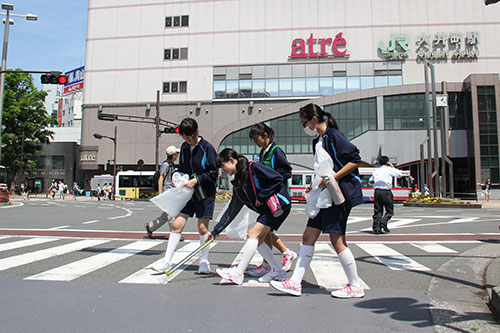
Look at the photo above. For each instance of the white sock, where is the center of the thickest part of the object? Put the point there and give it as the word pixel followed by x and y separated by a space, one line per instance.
pixel 287 252
pixel 268 255
pixel 347 260
pixel 247 255
pixel 173 240
pixel 204 252
pixel 304 259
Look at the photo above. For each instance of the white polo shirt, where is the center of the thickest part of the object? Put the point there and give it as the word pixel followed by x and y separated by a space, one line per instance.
pixel 382 177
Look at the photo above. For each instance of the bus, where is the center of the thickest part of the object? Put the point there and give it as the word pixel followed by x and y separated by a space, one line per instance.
pixel 134 184
pixel 301 178
pixel 4 188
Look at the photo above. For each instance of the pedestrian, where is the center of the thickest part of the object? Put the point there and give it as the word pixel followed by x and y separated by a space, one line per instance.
pixel 198 160
pixel 272 156
pixel 332 220
pixel 487 188
pixel 60 187
pixel 167 169
pixel 53 189
pixel 98 191
pixel 382 180
pixel 253 185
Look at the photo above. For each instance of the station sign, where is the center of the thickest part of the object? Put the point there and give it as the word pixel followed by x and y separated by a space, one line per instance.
pixel 319 47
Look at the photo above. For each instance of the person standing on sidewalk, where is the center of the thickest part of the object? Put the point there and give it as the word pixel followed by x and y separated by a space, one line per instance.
pixel 382 180
pixel 60 186
pixel 167 169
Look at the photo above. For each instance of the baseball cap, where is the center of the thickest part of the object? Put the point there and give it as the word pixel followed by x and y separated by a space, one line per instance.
pixel 172 150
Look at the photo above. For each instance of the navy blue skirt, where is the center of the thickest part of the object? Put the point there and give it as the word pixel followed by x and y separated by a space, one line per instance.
pixel 332 220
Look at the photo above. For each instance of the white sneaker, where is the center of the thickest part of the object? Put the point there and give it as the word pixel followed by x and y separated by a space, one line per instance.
pixel 204 267
pixel 273 275
pixel 288 260
pixel 349 291
pixel 230 274
pixel 260 270
pixel 161 266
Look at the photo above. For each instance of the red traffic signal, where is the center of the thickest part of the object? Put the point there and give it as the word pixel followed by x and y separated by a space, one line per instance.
pixel 54 79
pixel 168 130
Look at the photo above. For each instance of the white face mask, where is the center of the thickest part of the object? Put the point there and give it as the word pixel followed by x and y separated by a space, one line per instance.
pixel 310 132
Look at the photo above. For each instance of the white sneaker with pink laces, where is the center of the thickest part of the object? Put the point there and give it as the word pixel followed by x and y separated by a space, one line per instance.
pixel 260 270
pixel 273 275
pixel 230 274
pixel 288 260
pixel 287 286
pixel 349 291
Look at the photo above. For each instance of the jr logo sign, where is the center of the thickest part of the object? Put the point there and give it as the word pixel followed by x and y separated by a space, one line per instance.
pixel 398 47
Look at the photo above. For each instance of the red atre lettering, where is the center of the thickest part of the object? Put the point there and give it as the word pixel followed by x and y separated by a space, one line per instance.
pixel 299 47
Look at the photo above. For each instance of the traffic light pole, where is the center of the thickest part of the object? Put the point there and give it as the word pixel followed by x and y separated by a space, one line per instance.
pixel 2 75
pixel 158 133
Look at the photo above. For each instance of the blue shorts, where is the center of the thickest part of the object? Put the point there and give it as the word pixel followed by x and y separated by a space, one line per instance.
pixel 274 223
pixel 203 209
pixel 332 220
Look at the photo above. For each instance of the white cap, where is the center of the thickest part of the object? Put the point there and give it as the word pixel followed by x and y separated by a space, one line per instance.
pixel 172 150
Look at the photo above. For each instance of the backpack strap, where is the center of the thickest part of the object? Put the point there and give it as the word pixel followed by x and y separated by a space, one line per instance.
pixel 251 178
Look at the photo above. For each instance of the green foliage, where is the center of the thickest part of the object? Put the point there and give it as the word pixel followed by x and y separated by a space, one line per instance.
pixel 26 123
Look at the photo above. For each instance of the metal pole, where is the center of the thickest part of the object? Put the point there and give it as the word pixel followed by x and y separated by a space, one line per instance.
pixel 157 127
pixel 2 75
pixel 428 127
pixel 437 188
pixel 422 167
pixel 444 143
pixel 114 165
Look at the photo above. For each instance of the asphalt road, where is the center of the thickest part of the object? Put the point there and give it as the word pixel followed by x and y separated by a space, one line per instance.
pixel 82 265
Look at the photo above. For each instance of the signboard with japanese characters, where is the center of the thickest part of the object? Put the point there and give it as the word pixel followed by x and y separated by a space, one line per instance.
pixel 75 80
pixel 439 45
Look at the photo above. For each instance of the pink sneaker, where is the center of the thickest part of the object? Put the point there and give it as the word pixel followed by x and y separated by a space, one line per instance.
pixel 349 291
pixel 260 270
pixel 287 286
pixel 230 274
pixel 288 260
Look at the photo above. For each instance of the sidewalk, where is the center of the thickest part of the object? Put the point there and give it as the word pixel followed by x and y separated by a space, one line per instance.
pixel 42 196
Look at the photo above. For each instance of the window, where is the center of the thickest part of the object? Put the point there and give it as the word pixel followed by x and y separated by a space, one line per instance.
pixel 183 86
pixel 168 21
pixel 185 20
pixel 488 140
pixel 174 87
pixel 175 54
pixel 57 162
pixel 166 87
pixel 296 179
pixel 177 21
pixel 167 54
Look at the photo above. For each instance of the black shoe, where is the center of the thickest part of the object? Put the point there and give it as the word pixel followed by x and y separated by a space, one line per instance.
pixel 384 227
pixel 150 233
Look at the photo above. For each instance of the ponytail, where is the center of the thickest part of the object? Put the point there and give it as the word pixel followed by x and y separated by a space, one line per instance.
pixel 259 130
pixel 312 110
pixel 241 166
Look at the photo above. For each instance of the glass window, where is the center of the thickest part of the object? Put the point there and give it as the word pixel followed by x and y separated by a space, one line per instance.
pixel 184 53
pixel 174 87
pixel 297 180
pixel 245 88
pixel 259 72
pixel 271 71
pixel 185 20
pixel 166 54
pixel 299 87
pixel 272 87
pixel 308 179
pixel 395 80
pixel 312 70
pixel 299 70
pixel 339 85
pixel 312 86
pixel 380 81
pixel 366 68
pixel 353 83
pixel 177 21
pixel 232 73
pixel 168 21
pixel 285 71
pixel 232 89
pixel 219 89
pixel 259 88
pixel 175 53
pixel 183 86
pixel 325 70
pixel 325 86
pixel 353 69
pixel 166 87
pixel 285 87
pixel 57 162
pixel 367 82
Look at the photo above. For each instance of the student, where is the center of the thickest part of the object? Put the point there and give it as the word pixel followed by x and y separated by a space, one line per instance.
pixel 332 220
pixel 198 160
pixel 272 156
pixel 167 169
pixel 253 185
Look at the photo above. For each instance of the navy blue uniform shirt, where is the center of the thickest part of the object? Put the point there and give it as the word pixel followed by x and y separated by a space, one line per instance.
pixel 202 162
pixel 267 182
pixel 342 151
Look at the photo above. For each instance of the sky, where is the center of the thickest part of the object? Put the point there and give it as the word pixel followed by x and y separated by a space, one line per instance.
pixel 56 42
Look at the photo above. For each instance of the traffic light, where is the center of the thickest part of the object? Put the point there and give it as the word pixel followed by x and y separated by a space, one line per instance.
pixel 54 78
pixel 168 130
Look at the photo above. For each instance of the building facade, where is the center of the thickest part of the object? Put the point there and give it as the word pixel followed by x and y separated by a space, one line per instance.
pixel 232 63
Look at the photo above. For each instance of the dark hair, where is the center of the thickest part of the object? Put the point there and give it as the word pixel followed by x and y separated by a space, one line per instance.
pixel 312 110
pixel 383 160
pixel 188 126
pixel 259 130
pixel 241 166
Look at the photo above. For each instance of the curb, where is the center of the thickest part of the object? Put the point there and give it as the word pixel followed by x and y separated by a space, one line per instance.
pixel 436 205
pixel 493 284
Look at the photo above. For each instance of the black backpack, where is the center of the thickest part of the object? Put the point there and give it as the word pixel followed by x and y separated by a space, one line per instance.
pixel 156 176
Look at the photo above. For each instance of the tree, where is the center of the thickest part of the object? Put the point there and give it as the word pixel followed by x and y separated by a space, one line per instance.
pixel 26 123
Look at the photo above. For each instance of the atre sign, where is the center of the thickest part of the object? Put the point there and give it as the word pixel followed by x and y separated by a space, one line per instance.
pixel 326 47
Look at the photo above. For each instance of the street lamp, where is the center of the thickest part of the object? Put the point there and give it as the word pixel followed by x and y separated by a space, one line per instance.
pixel 7 22
pixel 99 137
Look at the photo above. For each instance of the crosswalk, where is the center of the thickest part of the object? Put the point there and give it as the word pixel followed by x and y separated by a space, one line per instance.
pixel 325 266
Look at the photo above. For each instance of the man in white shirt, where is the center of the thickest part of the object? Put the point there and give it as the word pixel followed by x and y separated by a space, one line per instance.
pixel 382 180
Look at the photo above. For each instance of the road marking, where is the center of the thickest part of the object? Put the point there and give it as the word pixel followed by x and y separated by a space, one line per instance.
pixel 248 281
pixel 57 228
pixel 18 204
pixel 129 213
pixel 391 258
pixel 434 248
pixel 30 257
pixel 85 266
pixel 90 222
pixel 460 220
pixel 327 268
pixel 24 243
pixel 148 276
pixel 397 223
pixel 355 219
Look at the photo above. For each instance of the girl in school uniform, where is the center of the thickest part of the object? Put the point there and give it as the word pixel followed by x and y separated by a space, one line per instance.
pixel 254 184
pixel 272 156
pixel 332 220
pixel 197 159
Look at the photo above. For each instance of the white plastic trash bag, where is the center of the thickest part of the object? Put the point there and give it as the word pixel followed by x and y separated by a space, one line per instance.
pixel 312 198
pixel 238 228
pixel 174 199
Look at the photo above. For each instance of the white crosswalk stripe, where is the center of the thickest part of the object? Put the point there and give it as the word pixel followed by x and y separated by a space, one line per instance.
pixel 81 267
pixel 248 281
pixel 327 269
pixel 391 258
pixel 434 248
pixel 24 243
